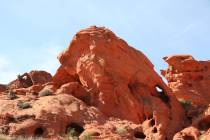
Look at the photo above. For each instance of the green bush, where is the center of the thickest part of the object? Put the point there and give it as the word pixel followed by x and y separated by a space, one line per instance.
pixel 87 137
pixel 186 104
pixel 71 134
pixel 45 92
pixel 23 105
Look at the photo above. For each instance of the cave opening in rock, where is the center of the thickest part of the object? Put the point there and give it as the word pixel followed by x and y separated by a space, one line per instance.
pixel 154 130
pixel 161 94
pixel 74 129
pixel 152 122
pixel 188 138
pixel 139 135
pixel 39 132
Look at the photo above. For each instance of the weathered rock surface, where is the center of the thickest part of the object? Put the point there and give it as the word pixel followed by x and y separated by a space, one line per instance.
pixel 48 116
pixel 121 81
pixel 29 79
pixel 188 78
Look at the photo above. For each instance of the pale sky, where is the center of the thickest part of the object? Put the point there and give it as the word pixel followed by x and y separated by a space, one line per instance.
pixel 33 32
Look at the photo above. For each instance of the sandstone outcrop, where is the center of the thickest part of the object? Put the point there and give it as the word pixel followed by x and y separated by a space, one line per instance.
pixel 189 81
pixel 120 81
pixel 29 79
pixel 188 78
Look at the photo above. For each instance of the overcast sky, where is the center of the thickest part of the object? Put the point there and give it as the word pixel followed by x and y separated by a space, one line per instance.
pixel 33 32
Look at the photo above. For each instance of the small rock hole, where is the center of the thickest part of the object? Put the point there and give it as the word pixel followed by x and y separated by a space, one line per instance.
pixel 139 135
pixel 161 94
pixel 154 130
pixel 152 122
pixel 159 89
pixel 39 132
pixel 75 129
pixel 188 138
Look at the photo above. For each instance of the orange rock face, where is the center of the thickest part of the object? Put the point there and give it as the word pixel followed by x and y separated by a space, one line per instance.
pixel 188 78
pixel 121 81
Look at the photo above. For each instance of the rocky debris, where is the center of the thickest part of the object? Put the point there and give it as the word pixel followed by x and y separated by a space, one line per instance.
pixel 29 79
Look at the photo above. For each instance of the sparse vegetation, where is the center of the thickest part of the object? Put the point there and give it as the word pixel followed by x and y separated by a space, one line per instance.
pixel 12 95
pixel 23 105
pixel 121 130
pixel 71 134
pixel 186 104
pixel 87 137
pixel 45 92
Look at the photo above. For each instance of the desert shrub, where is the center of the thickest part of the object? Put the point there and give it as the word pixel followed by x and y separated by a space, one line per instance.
pixel 121 130
pixel 71 134
pixel 23 105
pixel 86 136
pixel 45 92
pixel 12 95
pixel 186 104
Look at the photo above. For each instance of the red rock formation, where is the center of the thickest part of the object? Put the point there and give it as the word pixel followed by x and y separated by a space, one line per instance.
pixel 62 77
pixel 122 81
pixel 29 79
pixel 103 88
pixel 48 116
pixel 188 78
pixel 40 77
pixel 3 87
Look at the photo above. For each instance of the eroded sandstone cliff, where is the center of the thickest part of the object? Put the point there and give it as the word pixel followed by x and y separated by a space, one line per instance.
pixel 189 80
